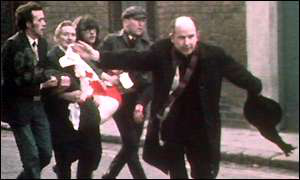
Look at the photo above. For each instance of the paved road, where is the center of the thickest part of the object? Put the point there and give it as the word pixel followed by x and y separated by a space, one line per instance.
pixel 11 166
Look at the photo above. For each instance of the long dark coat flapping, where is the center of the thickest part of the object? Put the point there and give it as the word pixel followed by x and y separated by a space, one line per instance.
pixel 204 87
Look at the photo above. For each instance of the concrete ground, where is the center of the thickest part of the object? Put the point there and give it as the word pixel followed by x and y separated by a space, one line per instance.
pixel 239 145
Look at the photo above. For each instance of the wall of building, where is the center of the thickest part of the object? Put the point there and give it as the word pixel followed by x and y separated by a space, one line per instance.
pixel 57 11
pixel 273 54
pixel 221 23
pixel 289 61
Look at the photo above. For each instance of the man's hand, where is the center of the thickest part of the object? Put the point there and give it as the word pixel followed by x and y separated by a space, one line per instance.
pixel 113 79
pixel 138 114
pixel 52 82
pixel 65 81
pixel 117 71
pixel 86 51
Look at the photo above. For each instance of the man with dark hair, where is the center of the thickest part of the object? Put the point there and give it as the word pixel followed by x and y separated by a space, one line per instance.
pixel 132 36
pixel 90 152
pixel 24 58
pixel 87 30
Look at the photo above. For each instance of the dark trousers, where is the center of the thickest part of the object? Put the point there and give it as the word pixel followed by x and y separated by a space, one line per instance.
pixel 65 139
pixel 65 155
pixel 185 132
pixel 83 145
pixel 33 138
pixel 90 140
pixel 87 161
pixel 130 133
pixel 202 157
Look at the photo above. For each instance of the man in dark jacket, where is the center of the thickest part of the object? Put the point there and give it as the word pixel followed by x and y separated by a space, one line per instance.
pixel 65 139
pixel 24 58
pixel 72 140
pixel 132 36
pixel 192 126
pixel 87 30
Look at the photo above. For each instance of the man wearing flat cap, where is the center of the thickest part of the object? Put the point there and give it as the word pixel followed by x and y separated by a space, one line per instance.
pixel 135 12
pixel 130 116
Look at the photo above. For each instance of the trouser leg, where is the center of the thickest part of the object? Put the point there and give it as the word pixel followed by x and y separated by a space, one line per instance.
pixel 203 157
pixel 28 152
pixel 130 133
pixel 133 162
pixel 41 131
pixel 63 164
pixel 32 138
pixel 84 169
pixel 90 140
pixel 175 158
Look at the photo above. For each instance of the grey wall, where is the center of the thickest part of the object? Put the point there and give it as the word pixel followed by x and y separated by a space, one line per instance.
pixel 289 59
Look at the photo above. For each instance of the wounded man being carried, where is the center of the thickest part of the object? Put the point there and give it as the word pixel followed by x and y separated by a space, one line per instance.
pixel 105 95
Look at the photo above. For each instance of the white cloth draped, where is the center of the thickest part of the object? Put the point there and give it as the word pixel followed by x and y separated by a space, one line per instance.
pixel 107 105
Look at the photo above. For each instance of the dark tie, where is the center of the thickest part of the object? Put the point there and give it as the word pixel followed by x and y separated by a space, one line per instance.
pixel 33 44
pixel 35 50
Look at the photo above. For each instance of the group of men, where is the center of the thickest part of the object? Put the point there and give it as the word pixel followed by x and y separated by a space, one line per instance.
pixel 40 95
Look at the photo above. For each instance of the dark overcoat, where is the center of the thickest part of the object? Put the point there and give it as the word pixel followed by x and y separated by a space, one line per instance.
pixel 87 139
pixel 203 89
pixel 62 130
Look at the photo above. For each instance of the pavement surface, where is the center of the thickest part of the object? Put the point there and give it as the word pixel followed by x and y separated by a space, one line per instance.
pixel 238 145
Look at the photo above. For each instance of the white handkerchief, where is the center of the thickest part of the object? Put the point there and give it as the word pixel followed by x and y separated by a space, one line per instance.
pixel 66 61
pixel 125 80
pixel 70 58
pixel 74 116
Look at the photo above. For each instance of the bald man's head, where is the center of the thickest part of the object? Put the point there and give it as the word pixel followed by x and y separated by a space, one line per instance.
pixel 184 35
pixel 182 21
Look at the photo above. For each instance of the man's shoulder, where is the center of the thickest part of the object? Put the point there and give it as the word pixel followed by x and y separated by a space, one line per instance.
pixel 16 42
pixel 162 45
pixel 208 48
pixel 113 36
pixel 17 37
pixel 55 51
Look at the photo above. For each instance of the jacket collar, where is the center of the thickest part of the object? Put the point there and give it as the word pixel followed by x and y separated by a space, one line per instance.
pixel 22 38
pixel 124 35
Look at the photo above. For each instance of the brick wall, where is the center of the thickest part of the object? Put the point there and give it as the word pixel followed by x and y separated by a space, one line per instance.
pixel 221 23
pixel 57 11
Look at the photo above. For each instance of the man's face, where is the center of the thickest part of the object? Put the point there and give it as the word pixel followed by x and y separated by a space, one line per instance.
pixel 38 24
pixel 67 36
pixel 135 27
pixel 89 36
pixel 185 38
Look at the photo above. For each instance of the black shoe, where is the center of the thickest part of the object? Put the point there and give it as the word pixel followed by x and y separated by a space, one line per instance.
pixel 54 169
pixel 107 176
pixel 21 176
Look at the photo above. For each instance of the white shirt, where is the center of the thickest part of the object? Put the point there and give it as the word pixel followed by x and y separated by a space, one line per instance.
pixel 175 83
pixel 35 50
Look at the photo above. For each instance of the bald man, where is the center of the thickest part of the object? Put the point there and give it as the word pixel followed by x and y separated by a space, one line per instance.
pixel 192 127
